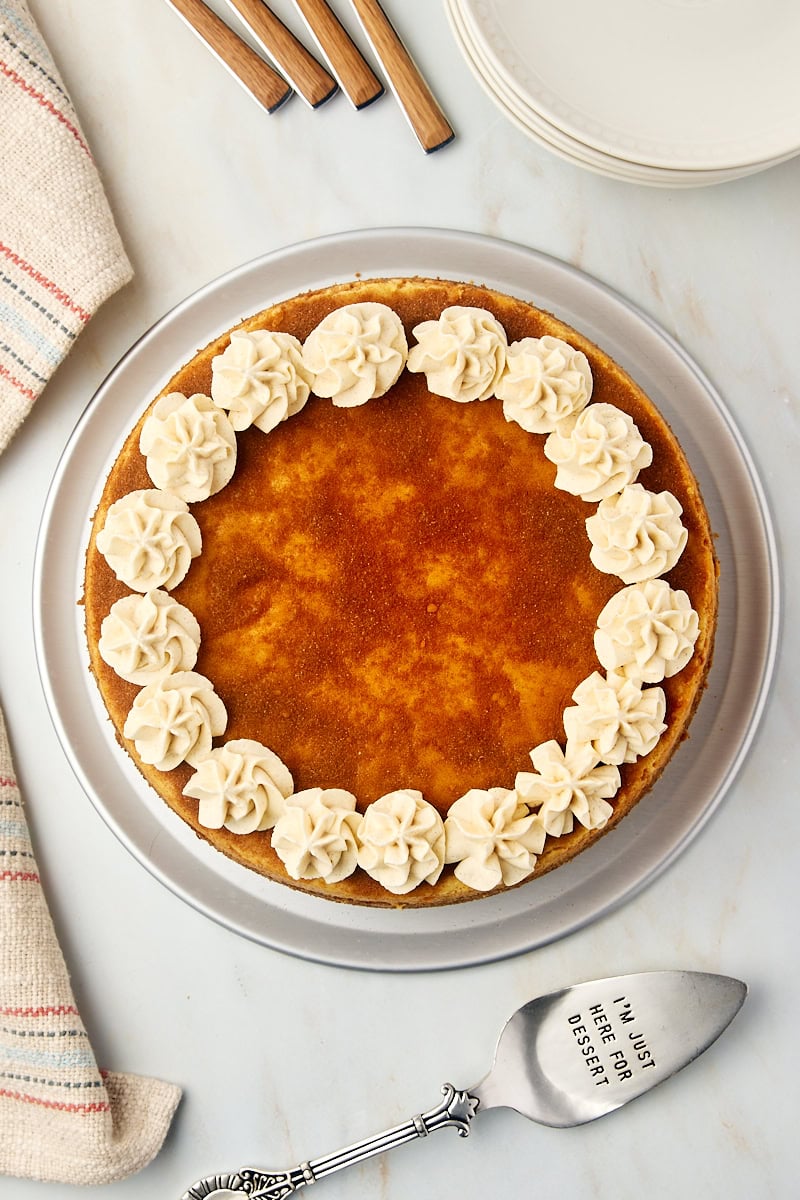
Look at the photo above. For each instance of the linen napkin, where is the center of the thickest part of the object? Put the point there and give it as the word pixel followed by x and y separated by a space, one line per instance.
pixel 62 1119
pixel 60 253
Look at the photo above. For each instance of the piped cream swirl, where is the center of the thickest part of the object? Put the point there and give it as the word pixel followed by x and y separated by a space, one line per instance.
pixel 242 786
pixel 616 717
pixel 174 719
pixel 145 637
pixel 402 841
pixel 545 380
pixel 149 539
pixel 597 452
pixel 315 836
pixel 462 354
pixel 647 631
pixel 189 446
pixel 567 785
pixel 636 534
pixel 356 353
pixel 493 838
pixel 260 378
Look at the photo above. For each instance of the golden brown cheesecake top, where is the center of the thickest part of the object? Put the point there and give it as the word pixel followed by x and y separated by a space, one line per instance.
pixel 396 595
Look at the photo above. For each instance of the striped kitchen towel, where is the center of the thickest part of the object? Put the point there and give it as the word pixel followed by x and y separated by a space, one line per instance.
pixel 60 253
pixel 62 1119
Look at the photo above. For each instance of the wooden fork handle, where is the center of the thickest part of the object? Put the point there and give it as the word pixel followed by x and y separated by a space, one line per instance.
pixel 308 77
pixel 265 85
pixel 356 78
pixel 413 94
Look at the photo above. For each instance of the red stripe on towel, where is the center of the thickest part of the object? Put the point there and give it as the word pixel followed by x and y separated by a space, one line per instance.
pixel 46 1010
pixel 11 74
pixel 58 292
pixel 83 1110
pixel 20 876
pixel 18 384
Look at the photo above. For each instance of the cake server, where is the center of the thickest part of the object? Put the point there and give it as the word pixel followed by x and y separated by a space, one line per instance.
pixel 562 1059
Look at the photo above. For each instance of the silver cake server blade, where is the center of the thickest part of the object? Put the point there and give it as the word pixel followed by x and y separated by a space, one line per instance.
pixel 563 1059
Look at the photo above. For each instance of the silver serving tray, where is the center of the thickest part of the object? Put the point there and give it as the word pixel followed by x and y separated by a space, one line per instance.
pixel 605 875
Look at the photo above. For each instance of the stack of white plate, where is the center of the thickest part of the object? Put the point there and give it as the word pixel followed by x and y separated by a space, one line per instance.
pixel 676 93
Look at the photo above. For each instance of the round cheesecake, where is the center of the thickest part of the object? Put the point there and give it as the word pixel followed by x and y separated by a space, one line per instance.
pixel 400 597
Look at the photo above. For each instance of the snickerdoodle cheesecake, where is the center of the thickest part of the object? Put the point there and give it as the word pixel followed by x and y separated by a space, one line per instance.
pixel 401 592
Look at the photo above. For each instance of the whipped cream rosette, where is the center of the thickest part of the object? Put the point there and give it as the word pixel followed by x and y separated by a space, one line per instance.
pixel 189 446
pixel 145 637
pixel 241 786
pixel 260 378
pixel 356 353
pixel 544 381
pixel 315 837
pixel 493 838
pixel 149 539
pixel 636 534
pixel 647 631
pixel 616 717
pixel 462 354
pixel 597 452
pixel 401 841
pixel 174 720
pixel 566 785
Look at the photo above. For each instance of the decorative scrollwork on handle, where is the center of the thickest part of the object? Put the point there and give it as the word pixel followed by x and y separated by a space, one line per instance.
pixel 258 1185
pixel 457 1109
pixel 272 1185
pixel 214 1183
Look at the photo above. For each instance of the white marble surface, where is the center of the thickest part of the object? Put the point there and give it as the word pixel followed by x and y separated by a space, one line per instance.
pixel 282 1059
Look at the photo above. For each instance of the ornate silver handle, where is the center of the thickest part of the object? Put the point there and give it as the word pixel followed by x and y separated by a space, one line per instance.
pixel 456 1109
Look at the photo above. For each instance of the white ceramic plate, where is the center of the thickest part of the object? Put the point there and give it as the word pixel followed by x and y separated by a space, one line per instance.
pixel 518 110
pixel 543 909
pixel 682 84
